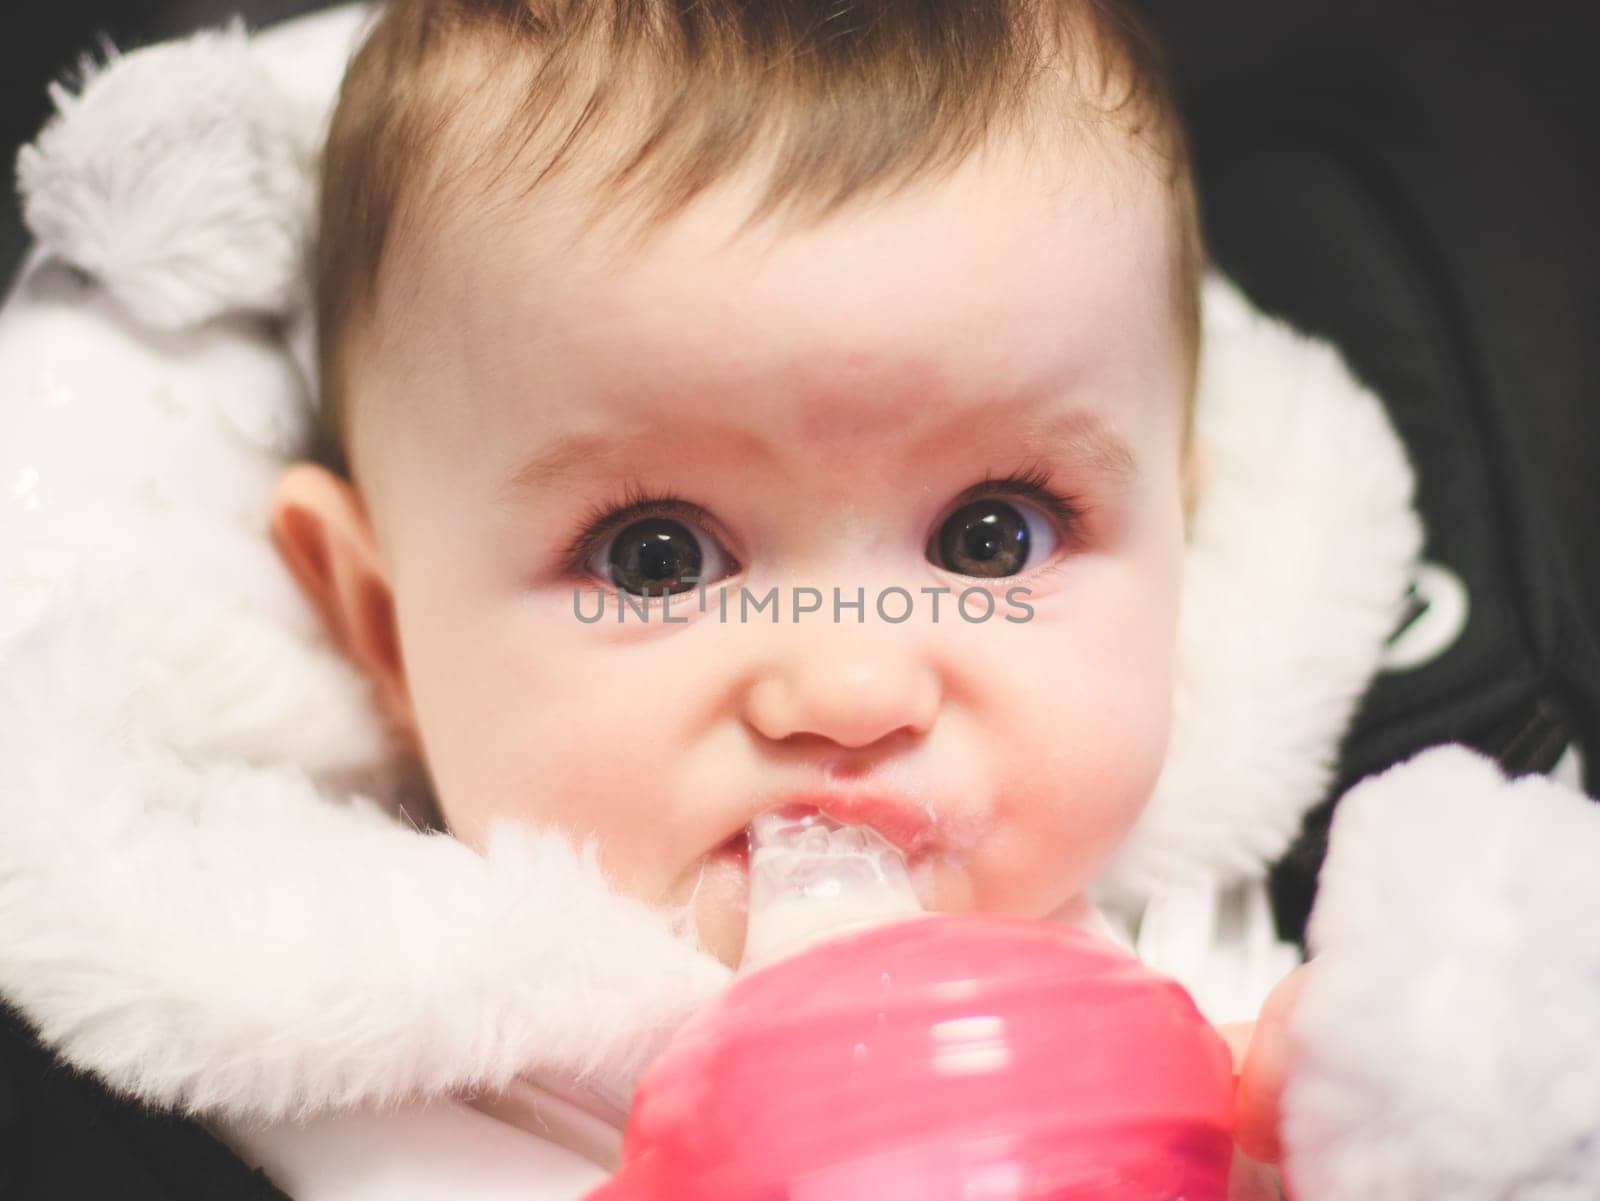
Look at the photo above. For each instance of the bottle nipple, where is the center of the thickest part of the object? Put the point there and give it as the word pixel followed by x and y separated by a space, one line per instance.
pixel 812 878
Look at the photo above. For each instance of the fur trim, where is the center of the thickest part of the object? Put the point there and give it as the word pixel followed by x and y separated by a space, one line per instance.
pixel 1446 1038
pixel 206 930
pixel 176 175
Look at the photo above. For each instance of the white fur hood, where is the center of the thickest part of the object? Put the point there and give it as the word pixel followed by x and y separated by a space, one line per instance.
pixel 210 894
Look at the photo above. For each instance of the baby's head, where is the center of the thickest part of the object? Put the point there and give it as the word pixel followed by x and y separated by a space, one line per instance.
pixel 894 300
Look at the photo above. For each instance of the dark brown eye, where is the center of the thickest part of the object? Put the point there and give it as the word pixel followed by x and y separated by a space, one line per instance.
pixel 988 538
pixel 652 557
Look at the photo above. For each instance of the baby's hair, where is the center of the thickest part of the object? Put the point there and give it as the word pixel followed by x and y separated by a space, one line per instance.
pixel 839 99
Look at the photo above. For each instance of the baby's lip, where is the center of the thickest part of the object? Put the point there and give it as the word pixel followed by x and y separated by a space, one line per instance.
pixel 906 825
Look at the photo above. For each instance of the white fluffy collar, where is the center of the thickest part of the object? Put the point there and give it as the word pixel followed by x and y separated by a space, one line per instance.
pixel 196 900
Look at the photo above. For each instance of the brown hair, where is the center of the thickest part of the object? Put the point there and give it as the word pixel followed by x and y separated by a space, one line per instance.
pixel 848 97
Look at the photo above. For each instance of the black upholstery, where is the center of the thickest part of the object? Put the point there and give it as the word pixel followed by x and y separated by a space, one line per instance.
pixel 1316 227
pixel 1416 183
pixel 64 1137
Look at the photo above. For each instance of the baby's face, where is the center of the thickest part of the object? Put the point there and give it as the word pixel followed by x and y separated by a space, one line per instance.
pixel 825 406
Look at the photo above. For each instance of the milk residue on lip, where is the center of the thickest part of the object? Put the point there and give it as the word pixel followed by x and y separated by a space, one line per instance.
pixel 812 878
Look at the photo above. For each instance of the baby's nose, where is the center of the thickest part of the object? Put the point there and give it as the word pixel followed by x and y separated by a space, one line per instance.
pixel 852 685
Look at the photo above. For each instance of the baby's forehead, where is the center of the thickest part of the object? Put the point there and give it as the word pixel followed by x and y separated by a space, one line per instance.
pixel 981 295
pixel 969 258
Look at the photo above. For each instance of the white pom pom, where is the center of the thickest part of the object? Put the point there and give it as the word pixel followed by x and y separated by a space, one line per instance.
pixel 175 176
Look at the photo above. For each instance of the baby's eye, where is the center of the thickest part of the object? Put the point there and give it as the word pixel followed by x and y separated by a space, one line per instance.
pixel 992 537
pixel 658 555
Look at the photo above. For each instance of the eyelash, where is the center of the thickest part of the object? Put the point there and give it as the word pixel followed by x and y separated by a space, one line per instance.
pixel 1033 483
pixel 610 516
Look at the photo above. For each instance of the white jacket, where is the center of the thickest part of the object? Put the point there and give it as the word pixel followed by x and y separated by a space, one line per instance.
pixel 210 895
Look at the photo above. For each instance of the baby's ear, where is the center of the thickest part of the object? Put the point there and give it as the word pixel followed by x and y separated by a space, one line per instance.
pixel 321 529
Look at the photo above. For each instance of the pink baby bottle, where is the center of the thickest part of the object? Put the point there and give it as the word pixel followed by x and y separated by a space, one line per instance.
pixel 872 1052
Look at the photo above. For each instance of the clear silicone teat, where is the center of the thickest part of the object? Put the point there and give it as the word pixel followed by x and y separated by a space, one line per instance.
pixel 812 878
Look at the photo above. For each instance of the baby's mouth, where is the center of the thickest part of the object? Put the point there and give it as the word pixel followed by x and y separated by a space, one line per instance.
pixel 736 850
pixel 810 877
pixel 923 853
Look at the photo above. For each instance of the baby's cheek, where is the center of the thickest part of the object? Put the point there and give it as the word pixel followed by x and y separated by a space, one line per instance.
pixel 607 771
pixel 502 757
pixel 522 729
pixel 1067 811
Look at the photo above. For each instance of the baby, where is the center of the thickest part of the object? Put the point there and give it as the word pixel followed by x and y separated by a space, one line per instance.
pixel 733 406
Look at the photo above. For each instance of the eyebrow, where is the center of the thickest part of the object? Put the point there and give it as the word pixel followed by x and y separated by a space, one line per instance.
pixel 587 454
pixel 1082 437
pixel 1085 438
pixel 568 455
